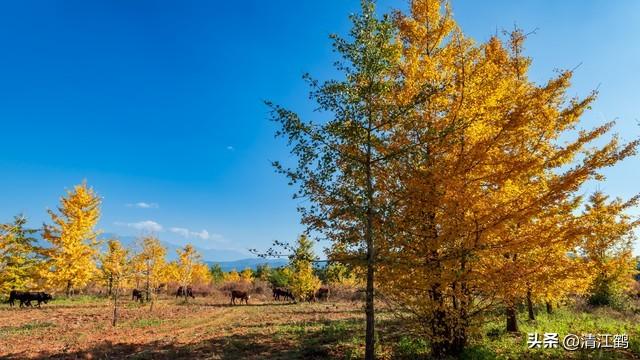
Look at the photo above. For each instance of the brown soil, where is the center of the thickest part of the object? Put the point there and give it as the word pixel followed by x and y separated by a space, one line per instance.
pixel 202 329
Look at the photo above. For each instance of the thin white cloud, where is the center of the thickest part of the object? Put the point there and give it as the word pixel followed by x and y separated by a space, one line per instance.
pixel 204 234
pixel 230 148
pixel 144 205
pixel 147 225
pixel 180 231
pixel 186 233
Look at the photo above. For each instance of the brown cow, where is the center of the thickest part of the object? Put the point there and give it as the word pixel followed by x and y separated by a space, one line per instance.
pixel 242 295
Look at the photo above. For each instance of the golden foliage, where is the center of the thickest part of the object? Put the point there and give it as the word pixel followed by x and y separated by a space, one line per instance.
pixel 149 265
pixel 485 198
pixel 115 266
pixel 18 256
pixel 303 282
pixel 232 276
pixel 246 275
pixel 72 255
pixel 608 245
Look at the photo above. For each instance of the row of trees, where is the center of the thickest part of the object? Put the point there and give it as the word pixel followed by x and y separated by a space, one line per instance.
pixel 305 273
pixel 70 257
pixel 452 180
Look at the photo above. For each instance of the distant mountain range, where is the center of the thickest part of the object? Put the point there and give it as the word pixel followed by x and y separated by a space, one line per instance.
pixel 249 263
pixel 228 259
pixel 207 254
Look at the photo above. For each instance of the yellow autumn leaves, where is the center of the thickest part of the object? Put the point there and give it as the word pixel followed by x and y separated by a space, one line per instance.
pixel 489 209
pixel 71 258
pixel 452 179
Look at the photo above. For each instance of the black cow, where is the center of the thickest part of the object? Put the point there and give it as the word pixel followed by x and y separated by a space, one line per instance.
pixel 182 292
pixel 276 293
pixel 16 295
pixel 242 295
pixel 137 295
pixel 42 297
pixel 26 297
pixel 282 294
pixel 286 294
pixel 322 293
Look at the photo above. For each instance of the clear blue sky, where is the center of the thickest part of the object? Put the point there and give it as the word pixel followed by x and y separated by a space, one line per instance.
pixel 160 102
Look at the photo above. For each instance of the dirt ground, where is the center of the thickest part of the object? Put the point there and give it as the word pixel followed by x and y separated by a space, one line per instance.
pixel 202 329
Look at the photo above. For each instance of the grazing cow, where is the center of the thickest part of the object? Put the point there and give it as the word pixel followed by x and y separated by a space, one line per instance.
pixel 16 295
pixel 242 295
pixel 282 293
pixel 42 297
pixel 278 293
pixel 182 292
pixel 137 295
pixel 322 293
pixel 26 297
pixel 288 295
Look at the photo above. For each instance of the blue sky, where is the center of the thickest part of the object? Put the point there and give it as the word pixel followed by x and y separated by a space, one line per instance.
pixel 160 102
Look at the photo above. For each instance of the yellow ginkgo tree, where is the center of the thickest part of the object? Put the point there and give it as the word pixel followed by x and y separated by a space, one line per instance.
pixel 114 266
pixel 608 245
pixel 187 266
pixel 494 153
pixel 72 237
pixel 19 259
pixel 150 263
pixel 246 275
pixel 303 282
pixel 116 269
pixel 231 276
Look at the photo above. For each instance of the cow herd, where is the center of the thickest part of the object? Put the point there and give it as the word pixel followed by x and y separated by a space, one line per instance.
pixel 284 294
pixel 279 294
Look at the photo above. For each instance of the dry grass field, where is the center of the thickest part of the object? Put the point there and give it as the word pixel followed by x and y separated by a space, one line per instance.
pixel 210 328
pixel 204 328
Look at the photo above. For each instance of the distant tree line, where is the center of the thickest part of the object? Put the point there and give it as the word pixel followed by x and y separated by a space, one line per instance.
pixel 69 259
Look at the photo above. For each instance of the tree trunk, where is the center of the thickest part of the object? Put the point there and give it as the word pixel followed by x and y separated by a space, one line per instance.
pixel 549 307
pixel 115 307
pixel 532 315
pixel 370 310
pixel 147 288
pixel 449 348
pixel 451 340
pixel 370 294
pixel 68 291
pixel 512 319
